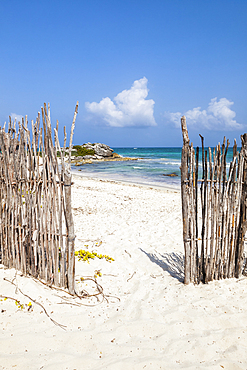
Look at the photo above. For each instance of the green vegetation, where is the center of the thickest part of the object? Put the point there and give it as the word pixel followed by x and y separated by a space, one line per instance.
pixel 80 151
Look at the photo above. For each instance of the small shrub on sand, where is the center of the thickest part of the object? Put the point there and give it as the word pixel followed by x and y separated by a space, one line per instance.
pixel 86 255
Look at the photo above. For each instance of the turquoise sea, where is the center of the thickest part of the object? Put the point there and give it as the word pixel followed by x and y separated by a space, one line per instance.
pixel 151 167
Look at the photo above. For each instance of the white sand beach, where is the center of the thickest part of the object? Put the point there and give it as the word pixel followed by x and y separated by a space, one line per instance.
pixel 148 319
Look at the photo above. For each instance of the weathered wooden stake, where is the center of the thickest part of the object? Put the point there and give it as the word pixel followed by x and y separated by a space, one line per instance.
pixel 184 193
pixel 222 204
pixel 35 203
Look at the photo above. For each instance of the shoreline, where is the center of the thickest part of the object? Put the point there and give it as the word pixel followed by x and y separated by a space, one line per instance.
pixel 166 187
pixel 149 167
pixel 81 162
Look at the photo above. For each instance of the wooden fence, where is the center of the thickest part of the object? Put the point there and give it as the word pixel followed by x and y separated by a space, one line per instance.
pixel 36 224
pixel 213 210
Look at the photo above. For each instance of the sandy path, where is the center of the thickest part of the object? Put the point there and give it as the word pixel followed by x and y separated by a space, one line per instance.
pixel 158 323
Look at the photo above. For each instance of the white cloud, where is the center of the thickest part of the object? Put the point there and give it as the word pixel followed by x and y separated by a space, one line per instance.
pixel 218 116
pixel 18 117
pixel 128 109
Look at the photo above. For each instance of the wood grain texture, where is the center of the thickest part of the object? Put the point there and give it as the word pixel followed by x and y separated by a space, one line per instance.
pixel 36 223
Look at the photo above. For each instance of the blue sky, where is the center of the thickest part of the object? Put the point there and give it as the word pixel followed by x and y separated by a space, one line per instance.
pixel 134 66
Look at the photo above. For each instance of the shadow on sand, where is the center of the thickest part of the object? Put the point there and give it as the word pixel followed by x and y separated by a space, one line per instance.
pixel 173 263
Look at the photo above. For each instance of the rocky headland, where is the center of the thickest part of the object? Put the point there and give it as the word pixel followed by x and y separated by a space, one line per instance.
pixel 96 152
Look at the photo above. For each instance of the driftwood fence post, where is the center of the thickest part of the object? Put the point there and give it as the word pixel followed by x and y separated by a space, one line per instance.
pixel 36 223
pixel 184 193
pixel 239 259
pixel 214 210
pixel 69 216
